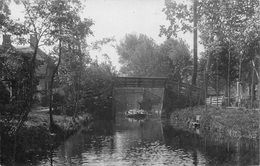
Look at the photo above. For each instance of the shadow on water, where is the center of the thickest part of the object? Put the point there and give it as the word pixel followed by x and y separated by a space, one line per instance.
pixel 148 142
pixel 215 151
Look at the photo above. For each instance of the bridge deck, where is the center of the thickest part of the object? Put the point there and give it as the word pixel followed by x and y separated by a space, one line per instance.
pixel 146 82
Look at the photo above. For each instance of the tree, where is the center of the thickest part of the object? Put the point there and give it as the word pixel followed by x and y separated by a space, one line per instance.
pixel 178 54
pixel 39 27
pixel 138 55
pixel 195 43
pixel 97 86
pixel 4 15
pixel 69 29
pixel 182 13
pixel 220 23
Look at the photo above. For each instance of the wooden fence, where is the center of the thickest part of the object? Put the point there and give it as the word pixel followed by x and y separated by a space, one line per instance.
pixel 215 101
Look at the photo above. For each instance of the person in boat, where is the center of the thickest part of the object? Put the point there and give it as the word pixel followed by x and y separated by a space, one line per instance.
pixel 139 104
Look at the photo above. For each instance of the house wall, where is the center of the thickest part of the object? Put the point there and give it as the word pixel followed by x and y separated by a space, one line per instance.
pixel 44 71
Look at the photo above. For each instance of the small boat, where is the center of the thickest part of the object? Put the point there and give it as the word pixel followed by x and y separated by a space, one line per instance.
pixel 136 113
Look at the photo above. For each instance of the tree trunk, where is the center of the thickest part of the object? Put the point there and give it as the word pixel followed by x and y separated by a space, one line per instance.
pixel 195 43
pixel 206 75
pixel 226 92
pixel 51 85
pixel 228 81
pixel 50 102
pixel 252 86
pixel 239 81
pixel 217 89
pixel 206 78
pixel 79 80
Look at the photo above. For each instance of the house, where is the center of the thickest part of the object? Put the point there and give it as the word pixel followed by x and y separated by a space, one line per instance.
pixel 44 72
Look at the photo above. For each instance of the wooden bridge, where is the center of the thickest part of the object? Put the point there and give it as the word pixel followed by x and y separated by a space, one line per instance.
pixel 176 93
pixel 145 82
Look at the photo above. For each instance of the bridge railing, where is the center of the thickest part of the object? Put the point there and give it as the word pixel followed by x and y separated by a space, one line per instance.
pixel 149 82
pixel 188 92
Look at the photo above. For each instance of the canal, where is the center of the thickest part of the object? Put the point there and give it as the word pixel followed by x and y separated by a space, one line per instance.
pixel 149 142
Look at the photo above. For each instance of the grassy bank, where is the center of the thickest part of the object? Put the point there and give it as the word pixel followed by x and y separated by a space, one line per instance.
pixel 35 140
pixel 230 122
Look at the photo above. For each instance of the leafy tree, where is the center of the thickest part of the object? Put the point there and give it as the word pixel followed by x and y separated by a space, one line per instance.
pixel 221 24
pixel 4 15
pixel 38 25
pixel 181 16
pixel 45 19
pixel 179 58
pixel 138 55
pixel 97 86
pixel 70 30
pixel 19 29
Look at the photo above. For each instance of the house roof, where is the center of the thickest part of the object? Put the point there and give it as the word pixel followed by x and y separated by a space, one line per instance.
pixel 41 55
pixel 27 49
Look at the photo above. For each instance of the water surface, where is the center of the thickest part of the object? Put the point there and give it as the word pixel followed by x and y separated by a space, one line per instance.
pixel 149 142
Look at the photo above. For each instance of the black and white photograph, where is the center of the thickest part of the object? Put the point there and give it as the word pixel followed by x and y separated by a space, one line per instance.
pixel 130 82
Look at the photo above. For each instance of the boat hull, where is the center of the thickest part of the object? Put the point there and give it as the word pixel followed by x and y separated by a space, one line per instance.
pixel 137 116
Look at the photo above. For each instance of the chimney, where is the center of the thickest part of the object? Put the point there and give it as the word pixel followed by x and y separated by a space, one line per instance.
pixel 6 39
pixel 33 40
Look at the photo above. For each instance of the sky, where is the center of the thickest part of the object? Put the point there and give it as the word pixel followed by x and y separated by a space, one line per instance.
pixel 116 18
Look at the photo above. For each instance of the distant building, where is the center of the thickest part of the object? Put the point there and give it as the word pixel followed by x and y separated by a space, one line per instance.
pixel 44 72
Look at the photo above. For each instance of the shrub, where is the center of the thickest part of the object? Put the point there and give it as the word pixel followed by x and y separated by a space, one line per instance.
pixel 45 101
pixel 59 103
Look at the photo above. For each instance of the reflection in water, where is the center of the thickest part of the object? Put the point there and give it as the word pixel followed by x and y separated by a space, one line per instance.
pixel 146 142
